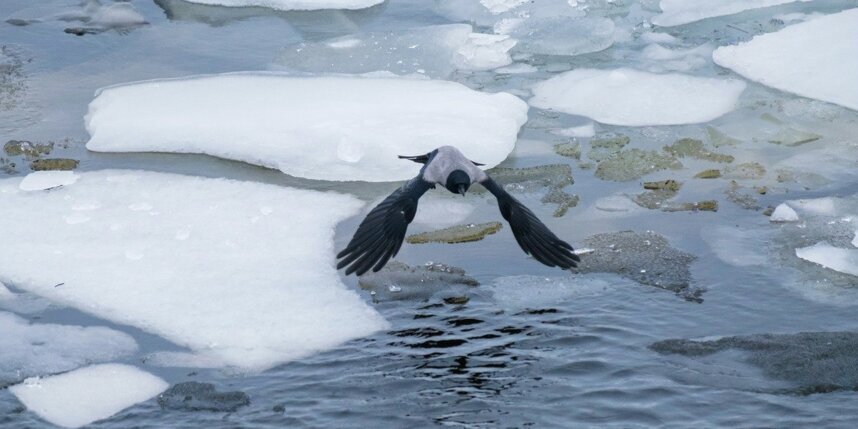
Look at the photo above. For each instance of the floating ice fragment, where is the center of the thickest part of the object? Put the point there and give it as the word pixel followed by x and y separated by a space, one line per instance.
pixel 34 349
pixel 500 6
pixel 42 180
pixel 285 260
pixel 297 124
pixel 294 4
pixel 586 131
pixel 85 395
pixel 559 35
pixel 816 59
pixel 678 12
pixel 835 258
pixel 484 52
pixel 635 98
pixel 819 206
pixel 518 68
pixel 783 213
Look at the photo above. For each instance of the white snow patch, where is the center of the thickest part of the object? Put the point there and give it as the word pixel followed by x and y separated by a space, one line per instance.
pixel 834 258
pixel 243 288
pixel 32 349
pixel 783 213
pixel 635 98
pixel 83 396
pixel 815 59
pixel 585 131
pixel 294 4
pixel 484 52
pixel 678 12
pixel 41 180
pixel 855 239
pixel 326 128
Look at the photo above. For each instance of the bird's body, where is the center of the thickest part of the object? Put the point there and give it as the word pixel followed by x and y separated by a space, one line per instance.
pixel 381 233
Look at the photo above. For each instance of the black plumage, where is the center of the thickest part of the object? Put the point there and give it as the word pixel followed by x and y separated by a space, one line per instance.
pixel 381 233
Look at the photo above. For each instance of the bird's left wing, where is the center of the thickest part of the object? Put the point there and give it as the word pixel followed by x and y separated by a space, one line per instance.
pixel 531 234
pixel 381 233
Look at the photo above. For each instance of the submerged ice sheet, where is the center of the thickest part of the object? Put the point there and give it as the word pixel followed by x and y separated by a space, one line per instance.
pixel 241 273
pixel 678 12
pixel 816 59
pixel 80 397
pixel 837 259
pixel 434 51
pixel 635 98
pixel 326 128
pixel 36 349
pixel 294 4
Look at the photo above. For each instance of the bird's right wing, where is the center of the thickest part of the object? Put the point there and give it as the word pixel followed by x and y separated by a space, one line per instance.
pixel 381 233
pixel 531 234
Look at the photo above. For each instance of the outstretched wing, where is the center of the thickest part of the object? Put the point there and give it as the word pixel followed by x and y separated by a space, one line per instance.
pixel 532 235
pixel 380 235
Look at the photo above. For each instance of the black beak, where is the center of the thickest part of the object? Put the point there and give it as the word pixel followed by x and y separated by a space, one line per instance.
pixel 462 189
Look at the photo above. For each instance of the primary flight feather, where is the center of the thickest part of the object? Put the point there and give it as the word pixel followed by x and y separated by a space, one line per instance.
pixel 380 235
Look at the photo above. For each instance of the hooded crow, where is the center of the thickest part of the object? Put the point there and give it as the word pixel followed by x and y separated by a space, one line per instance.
pixel 380 235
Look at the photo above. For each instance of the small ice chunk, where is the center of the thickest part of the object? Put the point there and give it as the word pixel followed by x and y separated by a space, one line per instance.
pixel 298 124
pixel 498 7
pixel 635 98
pixel 855 239
pixel 294 4
pixel 298 305
pixel 616 203
pixel 834 258
pixel 585 131
pixel 42 180
pixel 784 213
pixel 117 15
pixel 816 59
pixel 85 395
pixel 679 12
pixel 484 52
pixel 34 349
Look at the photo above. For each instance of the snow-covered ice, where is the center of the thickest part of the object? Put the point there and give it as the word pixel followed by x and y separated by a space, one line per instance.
pixel 239 272
pixel 86 395
pixel 678 12
pixel 816 59
pixel 294 4
pixel 42 180
pixel 35 349
pixel 435 51
pixel 784 213
pixel 636 98
pixel 834 258
pixel 327 128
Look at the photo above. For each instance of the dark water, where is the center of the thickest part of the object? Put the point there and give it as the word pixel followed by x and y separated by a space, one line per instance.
pixel 508 357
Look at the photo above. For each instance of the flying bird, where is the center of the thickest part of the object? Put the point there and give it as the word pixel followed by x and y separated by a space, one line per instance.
pixel 380 234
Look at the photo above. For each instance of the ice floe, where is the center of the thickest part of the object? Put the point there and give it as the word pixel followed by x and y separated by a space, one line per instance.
pixel 435 51
pixel 294 4
pixel 678 12
pixel 636 98
pixel 327 128
pixel 816 59
pixel 86 395
pixel 241 273
pixel 42 180
pixel 835 258
pixel 559 35
pixel 34 349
